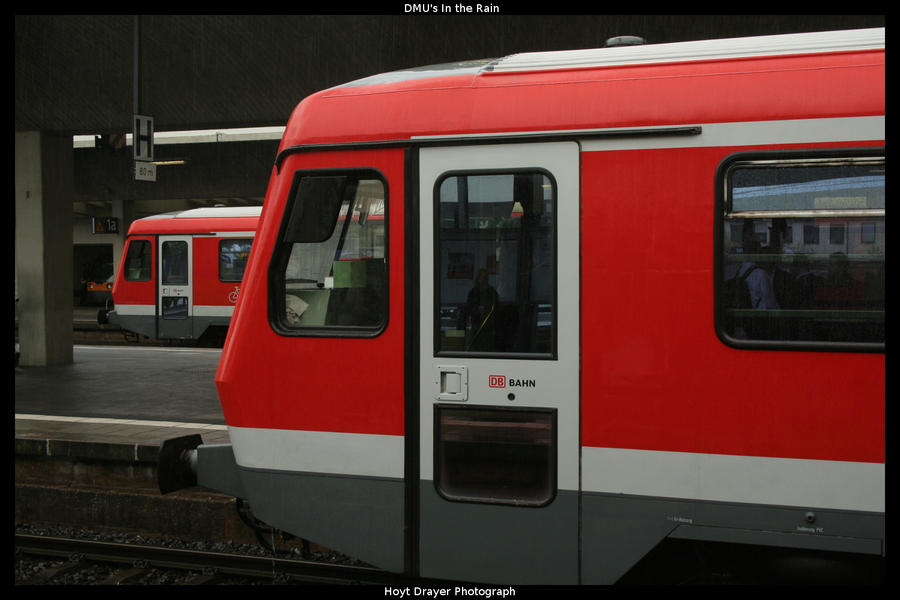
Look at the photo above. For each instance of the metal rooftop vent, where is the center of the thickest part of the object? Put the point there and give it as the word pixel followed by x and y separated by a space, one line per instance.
pixel 625 40
pixel 632 54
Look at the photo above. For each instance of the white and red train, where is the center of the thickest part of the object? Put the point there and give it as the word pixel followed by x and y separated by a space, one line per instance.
pixel 181 272
pixel 523 359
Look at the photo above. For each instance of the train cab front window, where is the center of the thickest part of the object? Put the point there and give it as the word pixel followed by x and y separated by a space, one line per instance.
pixel 329 271
pixel 802 252
pixel 138 261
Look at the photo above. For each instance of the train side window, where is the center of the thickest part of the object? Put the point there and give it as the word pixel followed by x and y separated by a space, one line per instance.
pixel 496 264
pixel 138 261
pixel 329 271
pixel 802 247
pixel 495 455
pixel 233 256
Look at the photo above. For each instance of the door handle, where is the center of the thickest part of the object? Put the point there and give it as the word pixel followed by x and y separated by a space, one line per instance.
pixel 451 383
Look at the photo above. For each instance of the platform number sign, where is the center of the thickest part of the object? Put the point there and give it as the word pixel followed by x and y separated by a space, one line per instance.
pixel 142 142
pixel 104 225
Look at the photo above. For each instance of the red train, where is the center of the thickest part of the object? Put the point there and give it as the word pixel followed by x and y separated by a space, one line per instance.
pixel 586 302
pixel 181 273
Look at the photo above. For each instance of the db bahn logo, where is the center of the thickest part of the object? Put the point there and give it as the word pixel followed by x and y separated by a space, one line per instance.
pixel 500 381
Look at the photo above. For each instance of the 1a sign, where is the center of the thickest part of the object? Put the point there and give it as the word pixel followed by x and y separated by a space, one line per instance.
pixel 104 225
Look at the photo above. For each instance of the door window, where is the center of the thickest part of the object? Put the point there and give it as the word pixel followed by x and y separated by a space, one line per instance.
pixel 495 455
pixel 174 263
pixel 496 267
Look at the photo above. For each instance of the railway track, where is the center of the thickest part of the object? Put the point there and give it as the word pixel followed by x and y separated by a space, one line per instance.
pixel 109 563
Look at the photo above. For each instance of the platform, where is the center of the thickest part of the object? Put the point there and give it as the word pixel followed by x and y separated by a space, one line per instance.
pixel 119 396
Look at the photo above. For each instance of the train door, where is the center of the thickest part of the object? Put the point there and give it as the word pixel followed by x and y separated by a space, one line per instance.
pixel 175 306
pixel 499 363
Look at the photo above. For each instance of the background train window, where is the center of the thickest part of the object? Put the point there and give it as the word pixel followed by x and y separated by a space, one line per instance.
pixel 496 264
pixel 138 261
pixel 497 456
pixel 329 270
pixel 803 252
pixel 233 256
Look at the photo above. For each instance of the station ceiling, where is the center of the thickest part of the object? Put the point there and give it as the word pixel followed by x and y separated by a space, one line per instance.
pixel 74 75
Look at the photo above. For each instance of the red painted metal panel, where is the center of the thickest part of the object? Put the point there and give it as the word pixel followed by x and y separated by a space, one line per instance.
pixel 758 89
pixel 655 375
pixel 183 226
pixel 309 383
pixel 136 292
pixel 209 290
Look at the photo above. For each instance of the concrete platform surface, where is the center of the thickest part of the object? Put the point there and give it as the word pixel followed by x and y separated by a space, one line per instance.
pixel 121 395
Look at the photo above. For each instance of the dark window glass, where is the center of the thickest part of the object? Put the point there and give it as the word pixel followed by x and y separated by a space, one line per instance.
pixel 496 264
pixel 803 251
pixel 174 307
pixel 233 256
pixel 330 269
pixel 499 456
pixel 175 263
pixel 138 261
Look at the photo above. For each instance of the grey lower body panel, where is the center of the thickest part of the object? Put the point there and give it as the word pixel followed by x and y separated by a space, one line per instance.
pixel 140 324
pixel 362 517
pixel 199 325
pixel 492 543
pixel 578 538
pixel 146 325
pixel 618 531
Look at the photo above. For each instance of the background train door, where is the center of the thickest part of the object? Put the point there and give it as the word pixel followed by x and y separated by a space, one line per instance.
pixel 499 363
pixel 175 306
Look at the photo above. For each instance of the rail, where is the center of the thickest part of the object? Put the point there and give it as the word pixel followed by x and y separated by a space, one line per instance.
pixel 143 557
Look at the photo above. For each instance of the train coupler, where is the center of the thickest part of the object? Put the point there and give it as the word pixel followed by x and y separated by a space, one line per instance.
pixel 177 463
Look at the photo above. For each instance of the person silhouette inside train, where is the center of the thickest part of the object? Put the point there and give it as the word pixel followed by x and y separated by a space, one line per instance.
pixel 479 312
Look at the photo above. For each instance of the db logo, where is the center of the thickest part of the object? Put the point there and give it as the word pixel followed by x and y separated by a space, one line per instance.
pixel 497 381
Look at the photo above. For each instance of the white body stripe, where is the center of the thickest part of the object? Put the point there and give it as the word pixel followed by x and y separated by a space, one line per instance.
pixel 234 234
pixel 365 455
pixel 213 311
pixel 148 310
pixel 136 310
pixel 752 133
pixel 725 478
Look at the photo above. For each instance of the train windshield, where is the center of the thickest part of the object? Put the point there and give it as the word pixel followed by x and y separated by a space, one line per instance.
pixel 331 269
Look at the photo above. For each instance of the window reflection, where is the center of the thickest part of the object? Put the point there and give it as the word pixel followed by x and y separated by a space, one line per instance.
pixel 496 263
pixel 332 269
pixel 233 255
pixel 803 251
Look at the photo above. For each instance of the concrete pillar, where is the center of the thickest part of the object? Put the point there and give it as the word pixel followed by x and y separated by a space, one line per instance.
pixel 44 188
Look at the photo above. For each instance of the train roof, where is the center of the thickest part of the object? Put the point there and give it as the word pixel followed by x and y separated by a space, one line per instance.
pixel 717 49
pixel 570 90
pixel 199 220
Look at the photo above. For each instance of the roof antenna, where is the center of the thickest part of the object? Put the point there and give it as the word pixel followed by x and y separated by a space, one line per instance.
pixel 625 40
